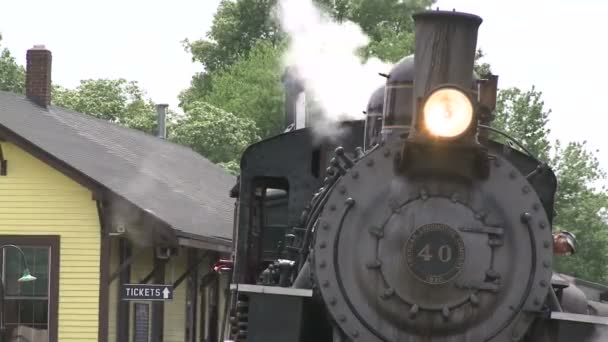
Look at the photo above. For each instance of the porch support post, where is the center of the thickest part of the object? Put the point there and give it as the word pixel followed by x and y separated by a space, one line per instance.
pixel 104 273
pixel 193 264
pixel 122 315
pixel 192 293
pixel 158 307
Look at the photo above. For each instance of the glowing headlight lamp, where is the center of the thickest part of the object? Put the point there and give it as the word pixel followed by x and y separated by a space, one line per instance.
pixel 447 112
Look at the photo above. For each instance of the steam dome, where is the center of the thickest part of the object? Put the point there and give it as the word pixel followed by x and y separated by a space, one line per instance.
pixel 373 120
pixel 376 101
pixel 398 106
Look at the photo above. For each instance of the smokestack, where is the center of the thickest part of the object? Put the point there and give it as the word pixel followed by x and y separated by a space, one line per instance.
pixel 161 115
pixel 294 113
pixel 445 51
pixel 38 75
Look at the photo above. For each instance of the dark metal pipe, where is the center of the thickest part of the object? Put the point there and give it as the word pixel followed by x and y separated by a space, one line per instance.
pixel 293 89
pixel 445 52
pixel 303 279
pixel 488 89
pixel 553 301
pixel 161 113
pixel 373 118
pixel 397 100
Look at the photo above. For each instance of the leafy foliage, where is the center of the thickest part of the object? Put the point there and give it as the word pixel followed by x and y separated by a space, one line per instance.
pixel 218 135
pixel 251 89
pixel 241 53
pixel 117 101
pixel 481 68
pixel 579 207
pixel 388 23
pixel 522 115
pixel 12 75
pixel 237 26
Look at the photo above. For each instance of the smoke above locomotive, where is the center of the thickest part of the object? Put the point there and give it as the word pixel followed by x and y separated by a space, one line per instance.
pixel 325 78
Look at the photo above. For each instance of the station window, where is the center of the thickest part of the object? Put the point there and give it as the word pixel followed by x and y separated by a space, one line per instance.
pixel 141 322
pixel 29 308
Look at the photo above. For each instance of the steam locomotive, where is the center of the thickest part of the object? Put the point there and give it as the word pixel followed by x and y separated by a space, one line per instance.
pixel 412 225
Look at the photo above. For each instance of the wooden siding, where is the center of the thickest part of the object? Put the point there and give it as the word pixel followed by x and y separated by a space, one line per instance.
pixel 35 199
pixel 175 310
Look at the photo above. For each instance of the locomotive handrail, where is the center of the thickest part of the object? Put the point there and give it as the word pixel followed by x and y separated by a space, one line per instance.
pixel 573 317
pixel 510 138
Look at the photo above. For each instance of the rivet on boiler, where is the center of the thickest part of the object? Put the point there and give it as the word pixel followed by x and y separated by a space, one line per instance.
pixel 414 311
pixel 445 312
pixel 474 299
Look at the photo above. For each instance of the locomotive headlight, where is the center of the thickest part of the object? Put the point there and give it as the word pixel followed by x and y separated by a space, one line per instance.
pixel 448 112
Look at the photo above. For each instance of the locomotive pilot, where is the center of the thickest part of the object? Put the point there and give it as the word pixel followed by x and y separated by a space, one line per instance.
pixel 564 243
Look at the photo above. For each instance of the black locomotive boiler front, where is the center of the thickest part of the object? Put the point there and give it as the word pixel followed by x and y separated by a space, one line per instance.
pixel 430 232
pixel 432 237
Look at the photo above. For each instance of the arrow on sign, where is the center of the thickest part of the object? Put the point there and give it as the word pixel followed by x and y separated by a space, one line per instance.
pixel 166 293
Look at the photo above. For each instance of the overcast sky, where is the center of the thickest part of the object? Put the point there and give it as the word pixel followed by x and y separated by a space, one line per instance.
pixel 558 45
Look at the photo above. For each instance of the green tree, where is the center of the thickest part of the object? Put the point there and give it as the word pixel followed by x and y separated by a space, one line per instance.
pixel 239 27
pixel 250 89
pixel 481 68
pixel 522 115
pixel 578 205
pixel 12 75
pixel 218 135
pixel 581 209
pixel 117 101
pixel 388 23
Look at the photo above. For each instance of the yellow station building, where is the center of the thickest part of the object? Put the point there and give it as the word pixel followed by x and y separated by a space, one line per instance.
pixel 94 206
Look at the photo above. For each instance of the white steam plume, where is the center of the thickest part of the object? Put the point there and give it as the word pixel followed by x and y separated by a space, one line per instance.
pixel 323 53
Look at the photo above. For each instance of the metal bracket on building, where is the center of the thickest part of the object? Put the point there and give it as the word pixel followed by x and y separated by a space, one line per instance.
pixel 123 267
pixel 3 163
pixel 159 262
pixel 192 267
pixel 208 279
pixel 151 274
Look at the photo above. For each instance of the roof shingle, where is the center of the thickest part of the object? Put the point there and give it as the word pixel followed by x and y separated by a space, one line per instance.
pixel 178 185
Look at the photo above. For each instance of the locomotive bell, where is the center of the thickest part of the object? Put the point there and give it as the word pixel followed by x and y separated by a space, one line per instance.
pixel 444 87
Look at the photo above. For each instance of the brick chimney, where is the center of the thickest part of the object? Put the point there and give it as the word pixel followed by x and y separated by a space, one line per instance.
pixel 38 75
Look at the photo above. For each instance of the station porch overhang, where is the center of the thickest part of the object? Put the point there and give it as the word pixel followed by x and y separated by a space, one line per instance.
pixel 140 248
